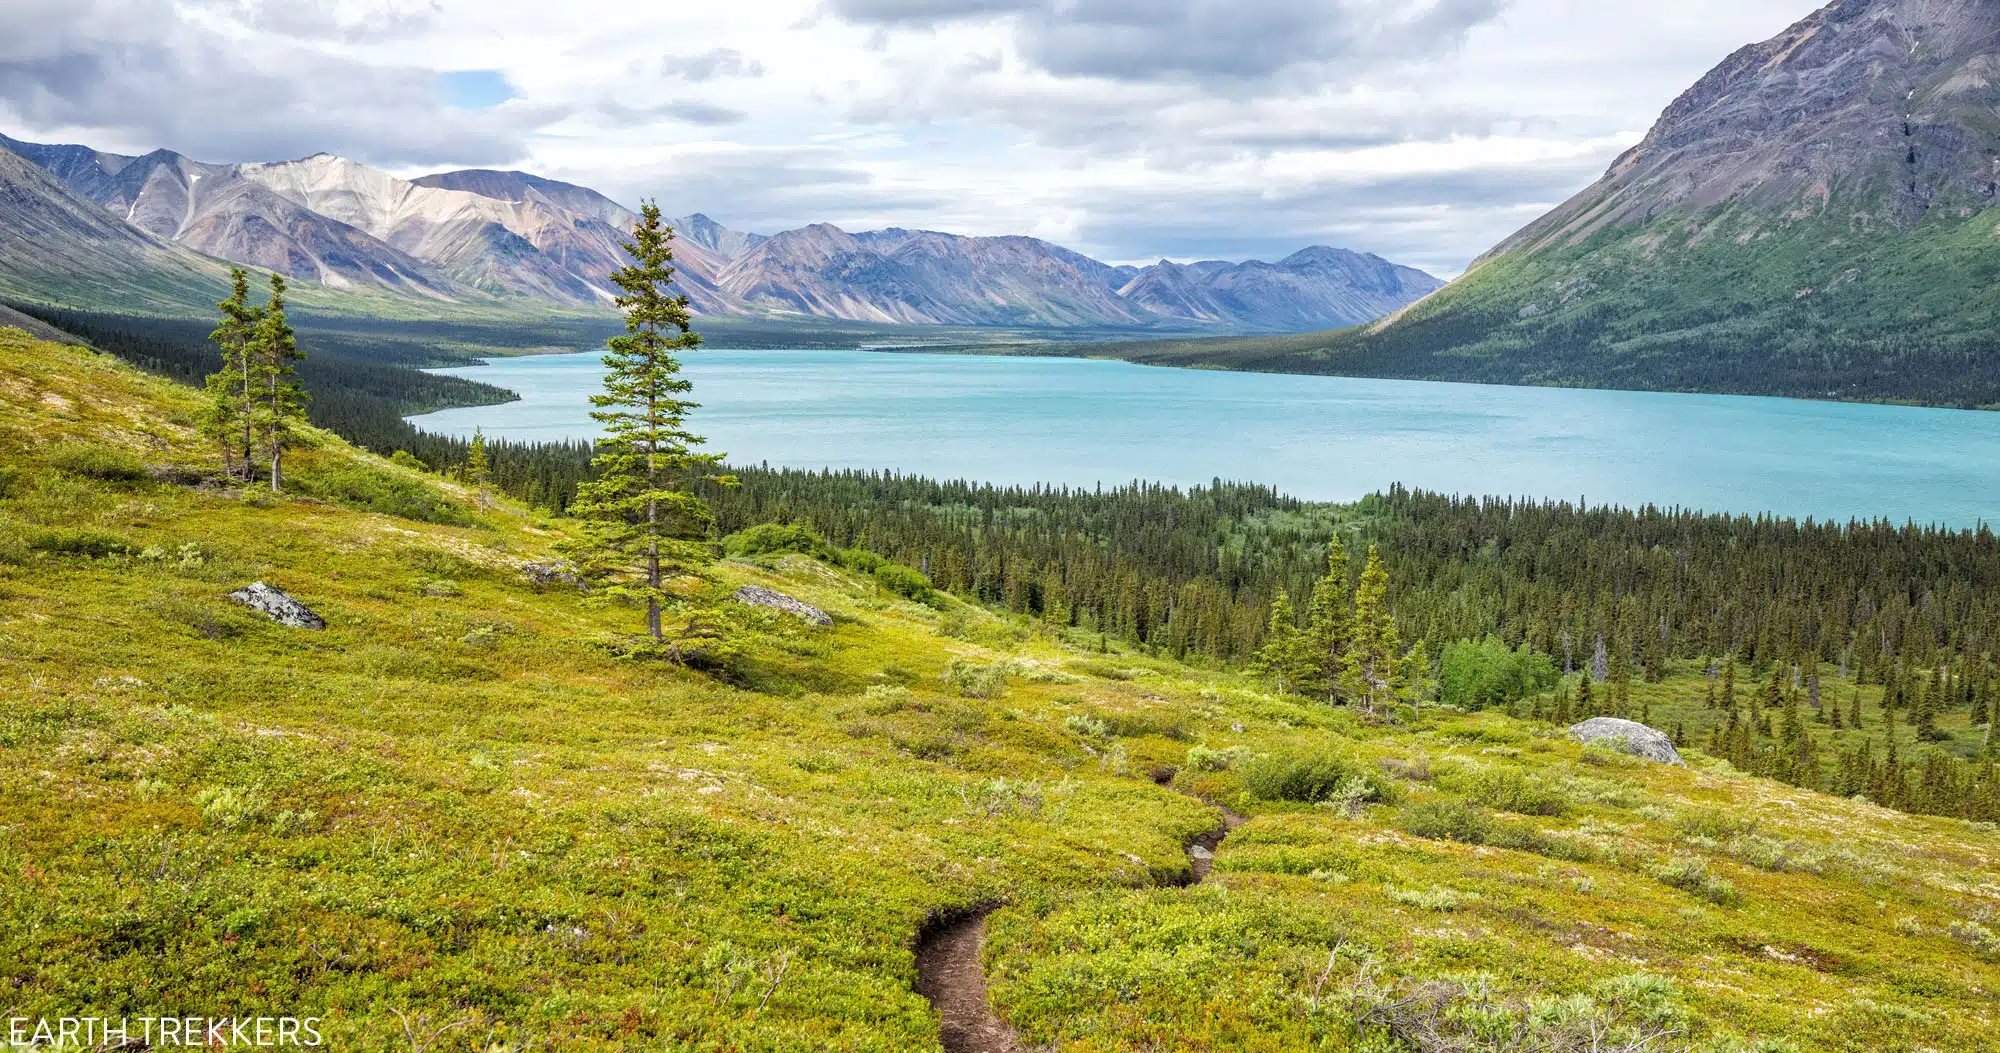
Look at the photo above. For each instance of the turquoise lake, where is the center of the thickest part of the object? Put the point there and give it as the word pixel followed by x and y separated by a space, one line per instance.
pixel 1081 423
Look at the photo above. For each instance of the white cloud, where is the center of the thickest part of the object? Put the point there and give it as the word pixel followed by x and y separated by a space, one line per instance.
pixel 1130 130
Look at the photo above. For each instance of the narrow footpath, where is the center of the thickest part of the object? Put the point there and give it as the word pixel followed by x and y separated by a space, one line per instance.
pixel 951 969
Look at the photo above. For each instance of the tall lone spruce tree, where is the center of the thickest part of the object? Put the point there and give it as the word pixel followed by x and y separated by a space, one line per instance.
pixel 644 524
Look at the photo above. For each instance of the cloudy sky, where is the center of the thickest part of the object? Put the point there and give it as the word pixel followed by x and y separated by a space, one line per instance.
pixel 1423 130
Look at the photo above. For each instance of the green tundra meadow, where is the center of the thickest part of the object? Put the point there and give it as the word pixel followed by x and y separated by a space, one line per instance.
pixel 471 813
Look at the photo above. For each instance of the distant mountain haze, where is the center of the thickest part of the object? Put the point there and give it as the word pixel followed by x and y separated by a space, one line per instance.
pixel 502 236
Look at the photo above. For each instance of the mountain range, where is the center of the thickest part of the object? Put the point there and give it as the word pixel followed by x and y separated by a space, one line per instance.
pixel 1818 216
pixel 482 236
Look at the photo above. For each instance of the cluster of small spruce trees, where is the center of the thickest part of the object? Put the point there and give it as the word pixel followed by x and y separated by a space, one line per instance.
pixel 1346 649
pixel 256 409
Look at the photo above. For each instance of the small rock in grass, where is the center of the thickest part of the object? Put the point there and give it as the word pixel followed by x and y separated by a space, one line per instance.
pixel 274 604
pixel 552 572
pixel 1631 736
pixel 758 596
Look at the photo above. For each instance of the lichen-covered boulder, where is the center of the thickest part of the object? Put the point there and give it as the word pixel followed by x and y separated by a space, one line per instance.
pixel 1629 735
pixel 553 572
pixel 758 596
pixel 274 604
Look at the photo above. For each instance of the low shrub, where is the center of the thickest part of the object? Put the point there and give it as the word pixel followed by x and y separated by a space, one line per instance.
pixel 1415 769
pixel 1982 940
pixel 1505 790
pixel 1437 897
pixel 1447 821
pixel 226 806
pixel 974 680
pixel 1086 727
pixel 371 490
pixel 1476 674
pixel 10 481
pixel 1308 778
pixel 1524 837
pixel 13 545
pixel 884 699
pixel 1691 874
pixel 1103 670
pixel 1204 759
pixel 1713 824
pixel 213 619
pixel 80 541
pixel 96 462
pixel 766 539
pixel 1174 726
pixel 904 582
pixel 1773 854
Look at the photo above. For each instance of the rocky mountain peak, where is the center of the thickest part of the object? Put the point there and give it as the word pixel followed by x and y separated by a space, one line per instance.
pixel 481 232
pixel 1889 108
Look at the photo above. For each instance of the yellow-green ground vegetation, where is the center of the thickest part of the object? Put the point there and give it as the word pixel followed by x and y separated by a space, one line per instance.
pixel 457 818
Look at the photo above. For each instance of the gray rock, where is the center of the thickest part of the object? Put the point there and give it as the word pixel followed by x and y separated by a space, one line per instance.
pixel 758 596
pixel 274 604
pixel 553 572
pixel 1629 735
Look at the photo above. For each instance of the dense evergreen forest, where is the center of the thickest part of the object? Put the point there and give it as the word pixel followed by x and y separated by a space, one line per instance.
pixel 1194 572
pixel 1604 593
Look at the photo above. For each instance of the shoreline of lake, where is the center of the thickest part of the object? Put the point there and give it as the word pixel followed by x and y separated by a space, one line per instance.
pixel 1086 421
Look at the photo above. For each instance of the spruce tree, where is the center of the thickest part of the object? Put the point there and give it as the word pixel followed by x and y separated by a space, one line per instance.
pixel 475 465
pixel 226 418
pixel 1283 659
pixel 1923 716
pixel 1416 680
pixel 1330 625
pixel 644 523
pixel 1370 669
pixel 277 405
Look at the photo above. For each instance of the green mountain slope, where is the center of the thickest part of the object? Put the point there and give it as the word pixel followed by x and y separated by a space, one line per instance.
pixel 454 819
pixel 1816 217
pixel 58 245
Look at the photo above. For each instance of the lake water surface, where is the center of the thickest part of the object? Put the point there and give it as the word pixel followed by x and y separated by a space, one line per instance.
pixel 1081 423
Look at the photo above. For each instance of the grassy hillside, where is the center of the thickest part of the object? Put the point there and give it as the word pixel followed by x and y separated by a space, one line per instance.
pixel 1732 300
pixel 456 819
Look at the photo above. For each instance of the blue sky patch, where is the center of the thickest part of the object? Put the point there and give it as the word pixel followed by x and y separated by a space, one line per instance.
pixel 475 89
